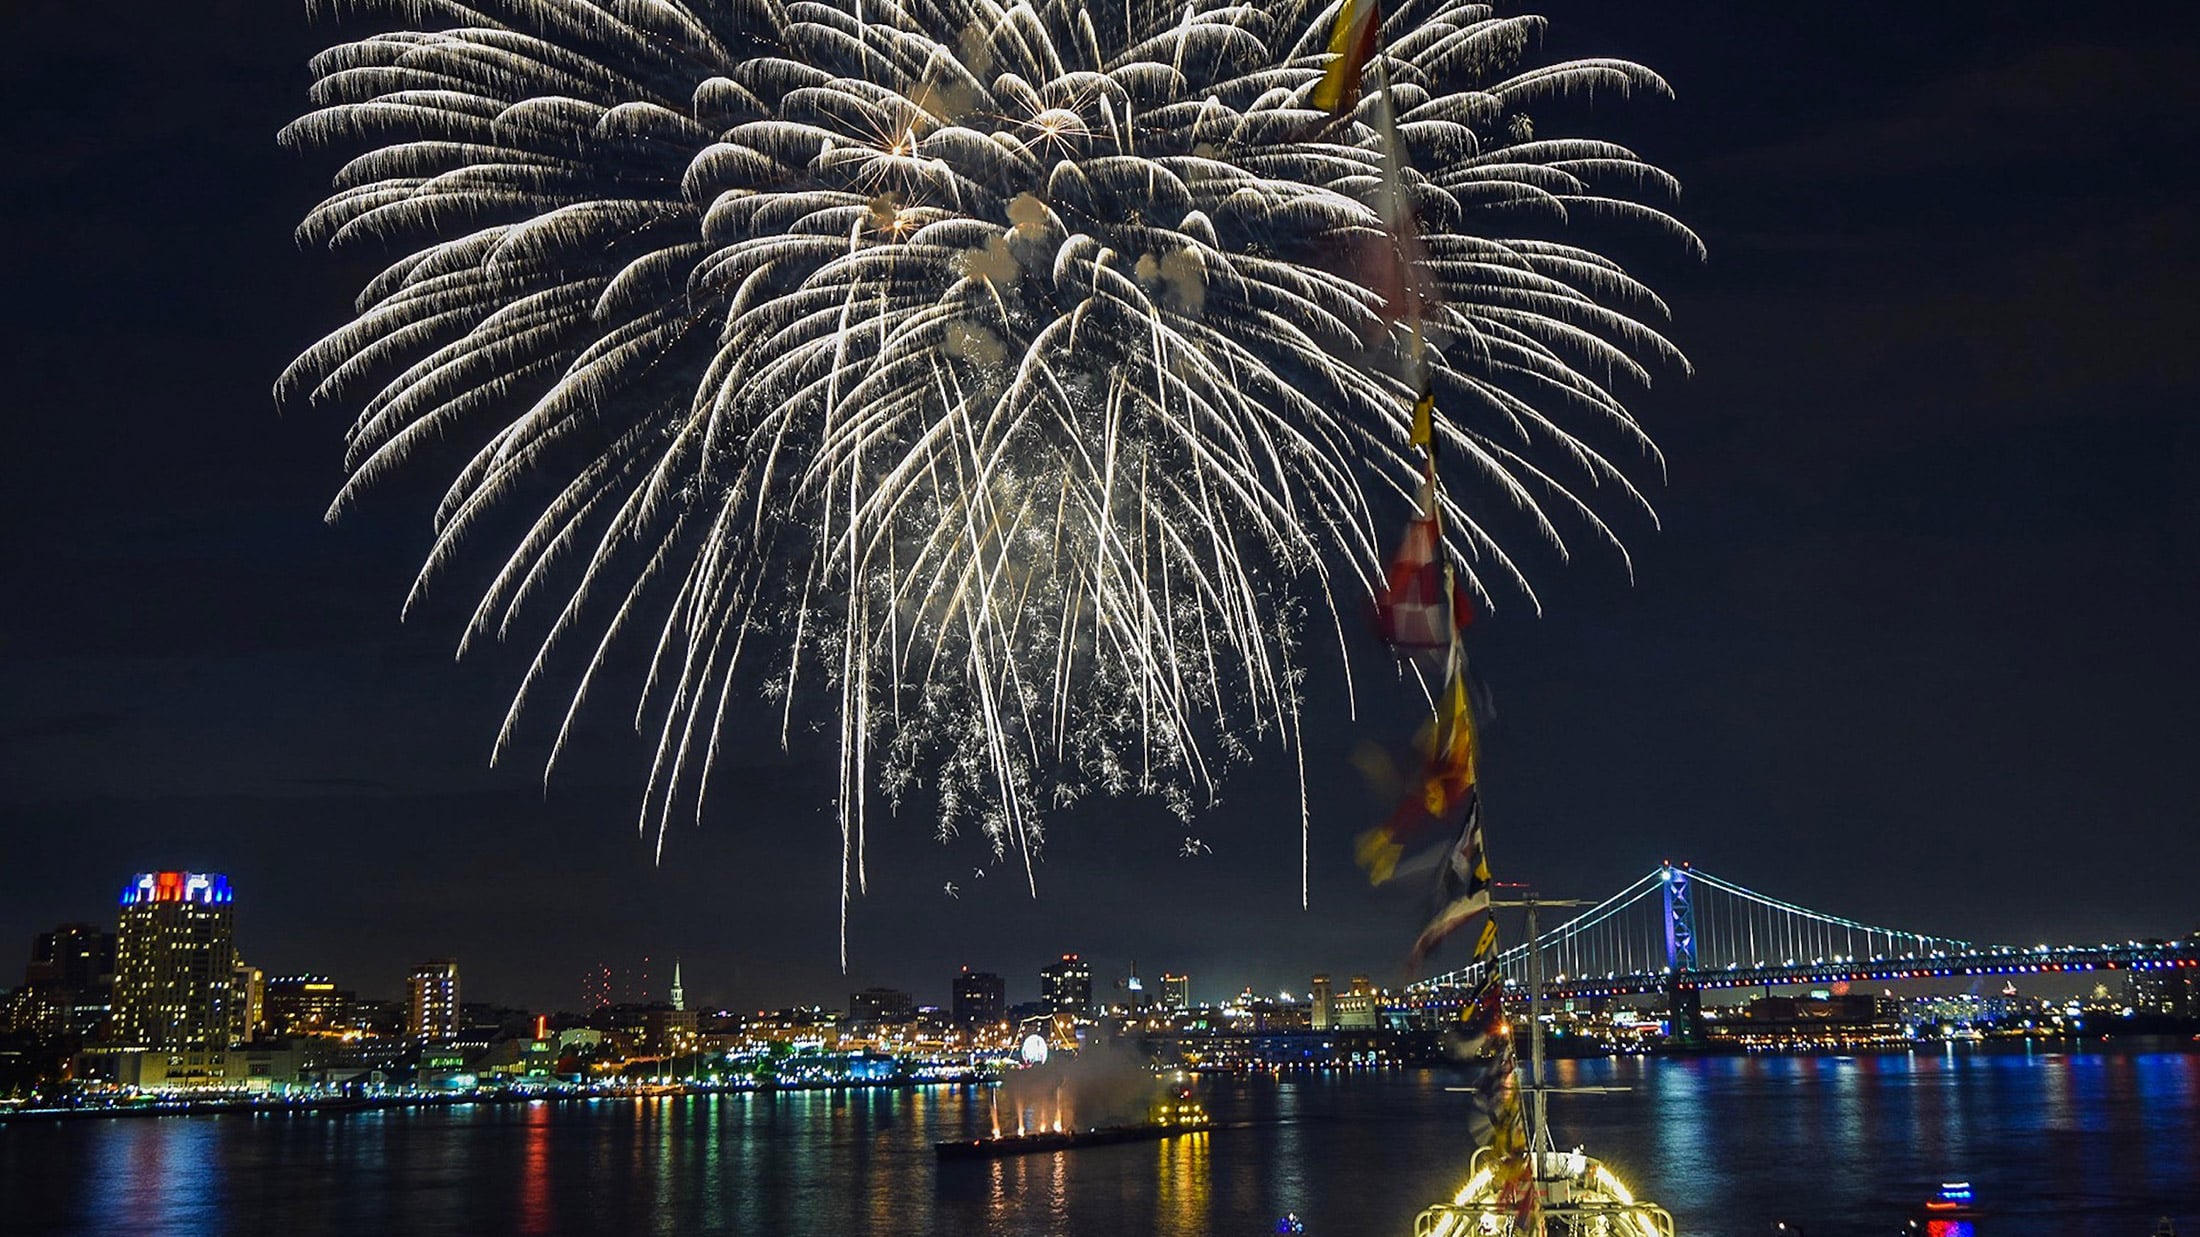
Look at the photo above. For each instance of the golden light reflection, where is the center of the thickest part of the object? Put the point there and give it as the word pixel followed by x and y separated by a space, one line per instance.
pixel 1182 1185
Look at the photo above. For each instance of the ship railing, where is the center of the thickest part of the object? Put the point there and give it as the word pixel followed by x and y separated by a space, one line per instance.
pixel 1576 1219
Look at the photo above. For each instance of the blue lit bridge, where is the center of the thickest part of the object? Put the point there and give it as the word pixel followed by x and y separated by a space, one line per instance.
pixel 1681 931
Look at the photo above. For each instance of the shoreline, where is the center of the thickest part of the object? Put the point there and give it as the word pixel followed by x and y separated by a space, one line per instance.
pixel 335 1105
pixel 213 1106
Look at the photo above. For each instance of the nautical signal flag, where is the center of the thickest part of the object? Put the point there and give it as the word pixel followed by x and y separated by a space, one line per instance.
pixel 1462 890
pixel 1351 45
pixel 1424 427
pixel 1398 271
pixel 1421 608
pixel 1448 754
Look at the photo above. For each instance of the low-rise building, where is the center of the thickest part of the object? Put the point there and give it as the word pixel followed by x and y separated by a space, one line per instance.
pixel 268 1066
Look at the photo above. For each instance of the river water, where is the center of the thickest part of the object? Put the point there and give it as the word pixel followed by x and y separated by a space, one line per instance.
pixel 2076 1144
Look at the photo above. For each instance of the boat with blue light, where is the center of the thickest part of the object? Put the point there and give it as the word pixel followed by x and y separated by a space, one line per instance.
pixel 1949 1212
pixel 1954 1201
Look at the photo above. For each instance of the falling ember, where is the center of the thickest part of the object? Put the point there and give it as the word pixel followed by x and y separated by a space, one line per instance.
pixel 979 384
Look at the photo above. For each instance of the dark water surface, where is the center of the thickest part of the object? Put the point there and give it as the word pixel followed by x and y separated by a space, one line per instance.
pixel 2056 1144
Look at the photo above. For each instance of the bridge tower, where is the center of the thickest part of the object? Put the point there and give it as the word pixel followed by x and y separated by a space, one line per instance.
pixel 1684 1001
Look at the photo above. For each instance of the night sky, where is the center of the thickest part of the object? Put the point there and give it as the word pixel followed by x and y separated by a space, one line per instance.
pixel 1914 644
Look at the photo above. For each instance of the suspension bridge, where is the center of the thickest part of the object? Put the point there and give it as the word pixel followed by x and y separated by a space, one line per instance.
pixel 1682 931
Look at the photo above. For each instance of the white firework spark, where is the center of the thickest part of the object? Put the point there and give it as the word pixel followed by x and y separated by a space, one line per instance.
pixel 995 374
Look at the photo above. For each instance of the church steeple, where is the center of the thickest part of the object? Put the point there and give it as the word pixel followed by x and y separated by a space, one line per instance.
pixel 679 996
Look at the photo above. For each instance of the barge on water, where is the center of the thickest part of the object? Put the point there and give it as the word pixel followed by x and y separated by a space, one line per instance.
pixel 1183 1116
pixel 1062 1140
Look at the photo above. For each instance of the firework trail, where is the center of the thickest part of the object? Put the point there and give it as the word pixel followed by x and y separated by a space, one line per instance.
pixel 996 377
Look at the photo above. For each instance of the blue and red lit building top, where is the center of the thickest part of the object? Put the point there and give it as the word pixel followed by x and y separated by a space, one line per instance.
pixel 204 888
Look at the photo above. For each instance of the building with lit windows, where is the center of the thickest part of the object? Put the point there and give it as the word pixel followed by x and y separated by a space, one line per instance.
pixel 431 1000
pixel 176 963
pixel 1066 987
pixel 2169 993
pixel 68 988
pixel 74 955
pixel 305 1005
pixel 1176 991
pixel 246 1016
pixel 1324 1003
pixel 981 998
pixel 1358 1008
pixel 881 1005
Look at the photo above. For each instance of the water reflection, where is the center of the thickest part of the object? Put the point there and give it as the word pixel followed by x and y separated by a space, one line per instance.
pixel 152 1177
pixel 534 1189
pixel 2055 1144
pixel 1181 1185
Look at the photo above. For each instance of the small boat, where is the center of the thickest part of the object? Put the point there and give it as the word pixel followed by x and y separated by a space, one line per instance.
pixel 1954 1201
pixel 1949 1212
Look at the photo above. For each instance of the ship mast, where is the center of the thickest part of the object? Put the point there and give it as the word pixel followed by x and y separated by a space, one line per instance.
pixel 1539 1125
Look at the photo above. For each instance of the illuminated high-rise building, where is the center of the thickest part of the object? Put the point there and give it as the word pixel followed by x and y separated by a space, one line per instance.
pixel 176 963
pixel 247 1016
pixel 1176 991
pixel 431 1000
pixel 981 998
pixel 68 988
pixel 1132 988
pixel 1066 987
pixel 1324 1003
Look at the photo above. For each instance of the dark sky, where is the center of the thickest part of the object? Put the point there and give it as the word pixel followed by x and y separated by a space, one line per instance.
pixel 1914 643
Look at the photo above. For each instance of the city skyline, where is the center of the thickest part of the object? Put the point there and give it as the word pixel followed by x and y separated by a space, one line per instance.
pixel 427 993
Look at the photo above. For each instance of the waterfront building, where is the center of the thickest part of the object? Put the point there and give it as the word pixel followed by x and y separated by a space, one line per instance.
pixel 2168 993
pixel 305 1005
pixel 980 998
pixel 42 1011
pixel 248 1068
pixel 679 994
pixel 880 1005
pixel 1066 987
pixel 431 1006
pixel 1176 991
pixel 1359 1008
pixel 1817 1021
pixel 247 1015
pixel 1324 1003
pixel 176 963
pixel 68 988
pixel 669 1032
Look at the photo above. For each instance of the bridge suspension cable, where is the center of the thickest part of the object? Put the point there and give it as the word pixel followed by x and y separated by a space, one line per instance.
pixel 1677 918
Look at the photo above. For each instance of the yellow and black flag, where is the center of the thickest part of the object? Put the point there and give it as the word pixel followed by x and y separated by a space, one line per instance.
pixel 1351 46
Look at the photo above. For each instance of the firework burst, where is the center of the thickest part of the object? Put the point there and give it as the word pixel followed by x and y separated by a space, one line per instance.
pixel 989 382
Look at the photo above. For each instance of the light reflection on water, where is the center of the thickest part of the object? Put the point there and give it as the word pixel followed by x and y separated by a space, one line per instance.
pixel 2058 1144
